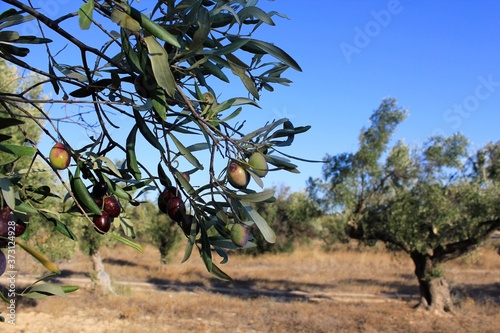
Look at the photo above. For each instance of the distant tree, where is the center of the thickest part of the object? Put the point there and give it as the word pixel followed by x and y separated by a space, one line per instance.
pixel 13 81
pixel 332 230
pixel 91 247
pixel 157 229
pixel 165 235
pixel 436 202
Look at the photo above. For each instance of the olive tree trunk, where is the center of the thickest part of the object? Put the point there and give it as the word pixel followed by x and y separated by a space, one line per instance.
pixel 102 279
pixel 90 246
pixel 434 289
pixel 163 261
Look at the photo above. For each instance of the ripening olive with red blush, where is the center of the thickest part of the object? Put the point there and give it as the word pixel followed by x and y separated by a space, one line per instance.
pixel 111 206
pixel 168 193
pixel 237 176
pixel 59 156
pixel 176 209
pixel 239 235
pixel 102 223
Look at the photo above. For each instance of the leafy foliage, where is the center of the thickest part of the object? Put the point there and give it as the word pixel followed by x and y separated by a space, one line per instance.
pixel 333 231
pixel 153 76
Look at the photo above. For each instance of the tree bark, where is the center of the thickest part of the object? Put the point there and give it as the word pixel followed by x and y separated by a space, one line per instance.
pixel 163 261
pixel 102 279
pixel 434 289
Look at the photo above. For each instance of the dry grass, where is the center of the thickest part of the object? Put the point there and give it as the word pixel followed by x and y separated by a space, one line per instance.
pixel 306 291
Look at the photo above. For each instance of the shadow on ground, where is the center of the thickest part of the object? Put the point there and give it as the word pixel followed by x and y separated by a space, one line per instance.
pixel 281 290
pixel 119 262
pixel 481 292
pixel 289 291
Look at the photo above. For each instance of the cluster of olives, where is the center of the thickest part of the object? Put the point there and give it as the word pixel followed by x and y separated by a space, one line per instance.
pixel 170 202
pixel 238 175
pixel 170 199
pixel 6 216
pixel 110 208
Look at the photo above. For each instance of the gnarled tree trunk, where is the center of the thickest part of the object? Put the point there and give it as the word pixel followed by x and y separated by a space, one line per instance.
pixel 434 289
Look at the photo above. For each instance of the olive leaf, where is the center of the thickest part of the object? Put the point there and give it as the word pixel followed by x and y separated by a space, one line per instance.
pixel 85 15
pixel 186 153
pixel 44 290
pixel 252 11
pixel 38 256
pixel 255 197
pixel 260 222
pixel 17 150
pixel 160 65
pixel 127 242
pixel 8 192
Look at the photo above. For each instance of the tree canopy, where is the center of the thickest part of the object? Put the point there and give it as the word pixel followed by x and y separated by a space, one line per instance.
pixel 436 202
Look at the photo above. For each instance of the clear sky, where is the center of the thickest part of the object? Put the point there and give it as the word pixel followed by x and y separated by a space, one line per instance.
pixel 440 59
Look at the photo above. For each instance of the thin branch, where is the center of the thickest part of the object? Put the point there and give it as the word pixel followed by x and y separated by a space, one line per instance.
pixel 54 25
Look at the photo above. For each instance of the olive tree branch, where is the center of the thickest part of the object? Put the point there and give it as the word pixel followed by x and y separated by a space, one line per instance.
pixel 54 25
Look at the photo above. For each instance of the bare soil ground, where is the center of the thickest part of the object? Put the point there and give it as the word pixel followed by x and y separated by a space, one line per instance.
pixel 306 291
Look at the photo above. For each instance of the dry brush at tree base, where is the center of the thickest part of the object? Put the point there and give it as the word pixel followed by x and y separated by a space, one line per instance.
pixel 305 291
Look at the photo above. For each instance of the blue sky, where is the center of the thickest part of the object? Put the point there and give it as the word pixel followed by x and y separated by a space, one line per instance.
pixel 440 59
